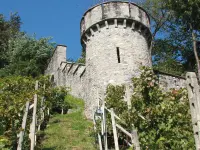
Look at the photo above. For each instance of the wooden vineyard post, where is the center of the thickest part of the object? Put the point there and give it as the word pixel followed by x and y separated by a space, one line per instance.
pixel 114 130
pixel 194 100
pixel 100 142
pixel 48 111
pixel 135 140
pixel 21 134
pixel 33 124
pixel 41 111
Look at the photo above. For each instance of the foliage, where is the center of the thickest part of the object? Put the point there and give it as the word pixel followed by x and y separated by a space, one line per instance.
pixel 158 14
pixel 9 29
pixel 187 15
pixel 58 100
pixel 15 92
pixel 167 58
pixel 73 102
pixel 172 24
pixel 83 57
pixel 27 56
pixel 21 54
pixel 162 119
pixel 188 11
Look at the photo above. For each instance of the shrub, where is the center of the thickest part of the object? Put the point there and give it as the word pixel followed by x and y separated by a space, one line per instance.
pixel 163 119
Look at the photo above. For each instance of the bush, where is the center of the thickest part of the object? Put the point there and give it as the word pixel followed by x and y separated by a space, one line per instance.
pixel 163 119
pixel 59 104
pixel 14 93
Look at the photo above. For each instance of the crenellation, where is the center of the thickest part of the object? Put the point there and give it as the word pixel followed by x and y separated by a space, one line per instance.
pixel 87 36
pixel 83 72
pixel 140 28
pixel 124 24
pixel 117 40
pixel 76 69
pixel 62 65
pixel 91 31
pixel 98 27
pixel 133 25
pixel 106 24
pixel 72 69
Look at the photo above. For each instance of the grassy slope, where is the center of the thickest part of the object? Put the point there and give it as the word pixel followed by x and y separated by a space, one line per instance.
pixel 69 132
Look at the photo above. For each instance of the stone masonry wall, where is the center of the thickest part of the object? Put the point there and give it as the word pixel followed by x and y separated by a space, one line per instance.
pixel 73 75
pixel 169 81
pixel 58 56
pixel 117 39
pixel 66 73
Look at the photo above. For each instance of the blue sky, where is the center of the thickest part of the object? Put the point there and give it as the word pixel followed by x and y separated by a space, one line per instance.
pixel 59 19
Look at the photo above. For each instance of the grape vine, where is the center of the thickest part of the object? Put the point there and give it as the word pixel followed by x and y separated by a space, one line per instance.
pixel 162 118
pixel 14 93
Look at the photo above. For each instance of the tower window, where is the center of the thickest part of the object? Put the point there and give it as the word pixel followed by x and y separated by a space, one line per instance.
pixel 118 55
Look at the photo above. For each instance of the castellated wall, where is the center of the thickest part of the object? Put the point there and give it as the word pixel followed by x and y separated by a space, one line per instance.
pixel 117 38
pixel 73 75
pixel 67 74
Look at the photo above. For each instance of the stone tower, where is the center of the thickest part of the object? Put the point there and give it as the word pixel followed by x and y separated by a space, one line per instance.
pixel 116 36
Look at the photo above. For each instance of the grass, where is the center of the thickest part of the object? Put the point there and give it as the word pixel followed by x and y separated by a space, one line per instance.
pixel 71 131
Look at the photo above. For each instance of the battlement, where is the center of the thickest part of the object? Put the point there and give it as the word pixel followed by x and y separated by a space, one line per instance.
pixel 78 77
pixel 115 14
pixel 117 39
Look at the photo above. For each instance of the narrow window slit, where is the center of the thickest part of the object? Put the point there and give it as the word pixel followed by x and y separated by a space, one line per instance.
pixel 118 55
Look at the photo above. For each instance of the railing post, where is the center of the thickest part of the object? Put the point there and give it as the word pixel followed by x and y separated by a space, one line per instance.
pixel 41 111
pixel 114 130
pixel 194 100
pixel 21 134
pixel 99 136
pixel 105 128
pixel 135 140
pixel 33 124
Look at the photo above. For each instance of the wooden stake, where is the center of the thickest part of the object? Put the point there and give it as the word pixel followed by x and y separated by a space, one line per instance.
pixel 99 136
pixel 21 134
pixel 135 140
pixel 114 130
pixel 105 127
pixel 33 124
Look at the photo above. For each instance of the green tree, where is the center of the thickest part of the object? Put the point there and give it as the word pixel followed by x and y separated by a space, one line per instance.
pixel 27 55
pixel 165 56
pixel 175 30
pixel 187 14
pixel 9 29
pixel 158 14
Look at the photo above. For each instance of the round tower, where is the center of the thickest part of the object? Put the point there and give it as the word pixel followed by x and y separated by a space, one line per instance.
pixel 116 36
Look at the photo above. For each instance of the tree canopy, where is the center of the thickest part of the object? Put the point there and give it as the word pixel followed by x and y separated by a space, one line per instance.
pixel 22 54
pixel 9 29
pixel 174 47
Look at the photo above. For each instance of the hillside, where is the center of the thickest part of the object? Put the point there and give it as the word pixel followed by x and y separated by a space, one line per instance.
pixel 71 131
